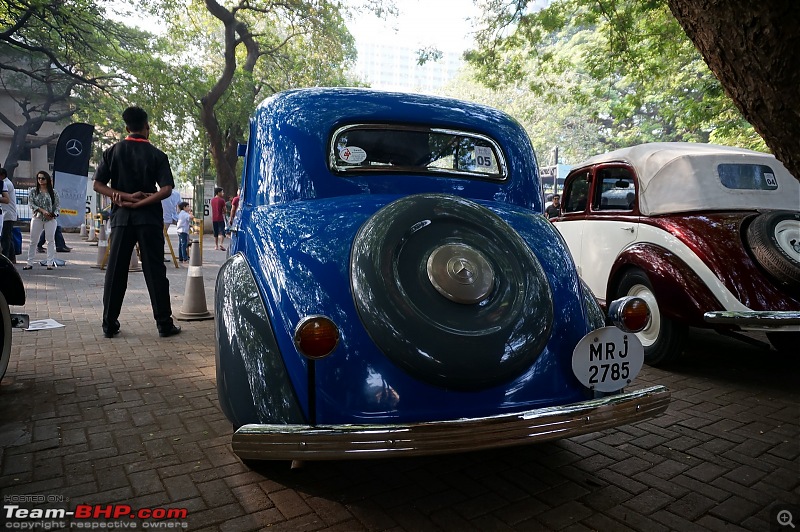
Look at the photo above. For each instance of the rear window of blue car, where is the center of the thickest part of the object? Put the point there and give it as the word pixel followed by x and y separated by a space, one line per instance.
pixel 359 149
pixel 747 176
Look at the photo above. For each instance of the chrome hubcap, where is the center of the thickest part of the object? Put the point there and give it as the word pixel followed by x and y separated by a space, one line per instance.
pixel 787 234
pixel 460 273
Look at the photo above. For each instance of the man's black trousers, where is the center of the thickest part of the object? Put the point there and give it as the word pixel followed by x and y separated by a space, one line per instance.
pixel 151 248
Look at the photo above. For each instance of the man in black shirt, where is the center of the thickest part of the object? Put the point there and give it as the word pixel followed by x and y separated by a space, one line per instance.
pixel 554 210
pixel 134 167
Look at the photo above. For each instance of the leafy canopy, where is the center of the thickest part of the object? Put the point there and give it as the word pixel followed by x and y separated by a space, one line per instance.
pixel 625 66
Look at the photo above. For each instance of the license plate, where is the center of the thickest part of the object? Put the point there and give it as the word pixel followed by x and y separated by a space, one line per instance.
pixel 21 321
pixel 607 359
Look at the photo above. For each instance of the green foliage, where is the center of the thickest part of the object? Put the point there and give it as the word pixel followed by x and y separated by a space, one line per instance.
pixel 551 118
pixel 58 60
pixel 189 77
pixel 228 57
pixel 624 67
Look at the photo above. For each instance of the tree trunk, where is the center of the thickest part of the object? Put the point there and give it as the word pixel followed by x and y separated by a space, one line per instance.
pixel 223 145
pixel 753 48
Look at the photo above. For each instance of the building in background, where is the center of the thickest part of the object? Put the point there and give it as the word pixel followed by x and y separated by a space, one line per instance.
pixel 388 51
pixel 390 66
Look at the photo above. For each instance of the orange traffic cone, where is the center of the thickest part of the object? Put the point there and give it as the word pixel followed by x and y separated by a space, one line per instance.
pixel 194 299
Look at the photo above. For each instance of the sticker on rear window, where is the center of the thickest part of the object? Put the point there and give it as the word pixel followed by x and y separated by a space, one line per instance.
pixel 352 154
pixel 483 157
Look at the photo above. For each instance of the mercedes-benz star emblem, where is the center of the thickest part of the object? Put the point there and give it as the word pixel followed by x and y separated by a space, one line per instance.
pixel 74 147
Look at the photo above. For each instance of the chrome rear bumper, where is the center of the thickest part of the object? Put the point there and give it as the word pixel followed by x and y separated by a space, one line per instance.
pixel 346 442
pixel 754 320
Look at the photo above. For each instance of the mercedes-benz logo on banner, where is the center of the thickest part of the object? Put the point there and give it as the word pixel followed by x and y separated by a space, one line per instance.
pixel 74 147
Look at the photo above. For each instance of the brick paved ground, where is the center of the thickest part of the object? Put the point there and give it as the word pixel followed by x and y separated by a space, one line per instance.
pixel 135 421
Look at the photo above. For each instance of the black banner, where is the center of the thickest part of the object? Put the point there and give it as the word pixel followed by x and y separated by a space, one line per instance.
pixel 74 149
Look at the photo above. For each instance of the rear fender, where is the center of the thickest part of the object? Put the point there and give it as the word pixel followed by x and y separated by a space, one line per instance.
pixel 680 292
pixel 252 380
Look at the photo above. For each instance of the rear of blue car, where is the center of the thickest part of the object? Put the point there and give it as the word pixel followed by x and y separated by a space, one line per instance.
pixel 394 289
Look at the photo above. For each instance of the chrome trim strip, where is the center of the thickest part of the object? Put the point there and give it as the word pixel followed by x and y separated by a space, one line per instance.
pixel 339 442
pixel 756 320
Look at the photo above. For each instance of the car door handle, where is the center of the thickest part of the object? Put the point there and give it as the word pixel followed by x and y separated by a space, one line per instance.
pixel 627 229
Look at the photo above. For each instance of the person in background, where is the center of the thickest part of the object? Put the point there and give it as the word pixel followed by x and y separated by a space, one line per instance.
pixel 136 176
pixel 44 203
pixel 8 207
pixel 554 210
pixel 218 217
pixel 184 221
pixel 170 208
pixel 234 205
pixel 61 245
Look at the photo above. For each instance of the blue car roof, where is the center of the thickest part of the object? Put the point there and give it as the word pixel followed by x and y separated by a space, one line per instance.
pixel 290 134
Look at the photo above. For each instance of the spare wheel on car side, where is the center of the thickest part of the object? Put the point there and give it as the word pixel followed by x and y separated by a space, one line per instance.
pixel 450 292
pixel 774 239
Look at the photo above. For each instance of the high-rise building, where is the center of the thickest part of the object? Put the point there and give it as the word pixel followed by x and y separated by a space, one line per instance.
pixel 391 66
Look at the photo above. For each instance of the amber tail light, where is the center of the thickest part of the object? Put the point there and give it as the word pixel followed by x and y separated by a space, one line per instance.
pixel 631 314
pixel 316 336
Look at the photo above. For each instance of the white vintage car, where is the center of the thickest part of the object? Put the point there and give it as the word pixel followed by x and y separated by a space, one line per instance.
pixel 708 235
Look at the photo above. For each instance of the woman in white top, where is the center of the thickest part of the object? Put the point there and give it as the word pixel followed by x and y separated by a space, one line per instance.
pixel 44 204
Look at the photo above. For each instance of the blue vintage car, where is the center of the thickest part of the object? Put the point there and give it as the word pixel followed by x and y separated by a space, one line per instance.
pixel 394 289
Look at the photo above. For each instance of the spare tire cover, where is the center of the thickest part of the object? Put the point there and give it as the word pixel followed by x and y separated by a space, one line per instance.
pixel 774 238
pixel 450 292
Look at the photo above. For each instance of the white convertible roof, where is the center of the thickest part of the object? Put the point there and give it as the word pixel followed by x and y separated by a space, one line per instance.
pixel 683 176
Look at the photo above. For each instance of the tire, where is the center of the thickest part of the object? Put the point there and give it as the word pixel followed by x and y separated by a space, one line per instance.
pixel 449 292
pixel 774 239
pixel 785 342
pixel 5 335
pixel 663 339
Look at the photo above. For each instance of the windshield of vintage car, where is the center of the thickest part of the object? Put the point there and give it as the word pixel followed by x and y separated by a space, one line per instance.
pixel 747 176
pixel 363 149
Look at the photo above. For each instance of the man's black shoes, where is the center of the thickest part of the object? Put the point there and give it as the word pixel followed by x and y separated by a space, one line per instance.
pixel 66 249
pixel 111 331
pixel 172 331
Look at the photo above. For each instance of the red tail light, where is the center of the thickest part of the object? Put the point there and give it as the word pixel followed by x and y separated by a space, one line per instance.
pixel 316 336
pixel 631 314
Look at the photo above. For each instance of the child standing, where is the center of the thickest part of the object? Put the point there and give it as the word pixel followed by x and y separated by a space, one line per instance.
pixel 184 219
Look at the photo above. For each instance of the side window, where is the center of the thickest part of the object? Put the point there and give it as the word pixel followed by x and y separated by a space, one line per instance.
pixel 614 190
pixel 577 193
